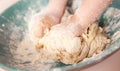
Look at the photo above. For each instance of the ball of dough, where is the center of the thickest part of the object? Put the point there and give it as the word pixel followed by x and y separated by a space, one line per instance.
pixel 61 45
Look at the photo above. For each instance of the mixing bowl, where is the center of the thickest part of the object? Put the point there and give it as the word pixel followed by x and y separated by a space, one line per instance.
pixel 13 27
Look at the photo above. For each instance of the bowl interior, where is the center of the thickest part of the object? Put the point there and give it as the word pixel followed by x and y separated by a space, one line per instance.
pixel 13 26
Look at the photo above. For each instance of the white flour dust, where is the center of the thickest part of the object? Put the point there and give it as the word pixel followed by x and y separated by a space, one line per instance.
pixel 23 51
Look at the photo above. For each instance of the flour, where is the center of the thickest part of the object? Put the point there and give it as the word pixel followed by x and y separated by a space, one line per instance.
pixel 25 52
pixel 22 50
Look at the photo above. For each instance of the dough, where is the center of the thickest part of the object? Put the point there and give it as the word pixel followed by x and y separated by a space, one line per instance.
pixel 61 45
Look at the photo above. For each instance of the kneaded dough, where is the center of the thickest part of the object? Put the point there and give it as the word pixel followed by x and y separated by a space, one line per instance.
pixel 61 45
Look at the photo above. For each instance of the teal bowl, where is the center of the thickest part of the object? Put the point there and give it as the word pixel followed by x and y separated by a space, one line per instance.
pixel 13 25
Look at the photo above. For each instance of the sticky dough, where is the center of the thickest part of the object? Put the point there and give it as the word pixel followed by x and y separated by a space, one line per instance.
pixel 61 45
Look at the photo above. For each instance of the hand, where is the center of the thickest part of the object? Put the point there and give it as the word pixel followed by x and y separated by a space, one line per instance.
pixel 88 12
pixel 43 21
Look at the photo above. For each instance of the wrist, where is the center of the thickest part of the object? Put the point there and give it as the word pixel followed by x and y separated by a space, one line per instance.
pixel 57 7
